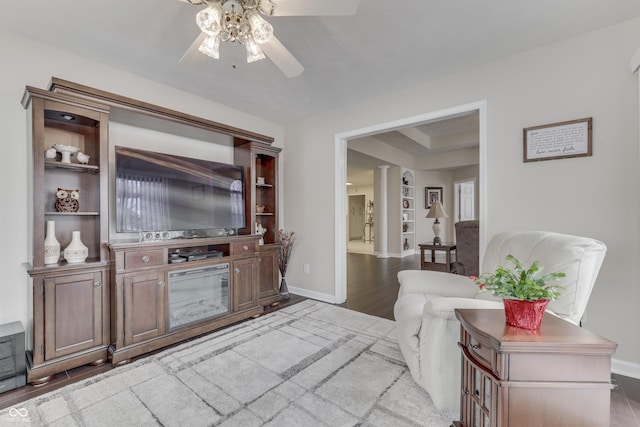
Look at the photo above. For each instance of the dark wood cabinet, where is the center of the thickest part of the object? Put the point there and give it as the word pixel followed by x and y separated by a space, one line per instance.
pixel 74 315
pixel 143 318
pixel 245 284
pixel 269 274
pixel 70 305
pixel 145 306
pixel 116 303
pixel 559 375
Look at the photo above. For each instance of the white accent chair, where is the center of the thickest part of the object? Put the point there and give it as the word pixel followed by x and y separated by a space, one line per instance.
pixel 428 331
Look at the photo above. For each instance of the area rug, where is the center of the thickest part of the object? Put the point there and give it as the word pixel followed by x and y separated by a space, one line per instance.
pixel 309 364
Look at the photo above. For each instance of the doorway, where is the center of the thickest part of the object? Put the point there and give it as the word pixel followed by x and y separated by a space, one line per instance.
pixel 356 217
pixel 341 199
pixel 465 200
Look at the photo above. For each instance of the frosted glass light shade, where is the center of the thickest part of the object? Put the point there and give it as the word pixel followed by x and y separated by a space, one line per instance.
pixel 254 53
pixel 261 30
pixel 211 46
pixel 209 19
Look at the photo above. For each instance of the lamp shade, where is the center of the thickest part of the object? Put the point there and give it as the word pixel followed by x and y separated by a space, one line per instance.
pixel 436 211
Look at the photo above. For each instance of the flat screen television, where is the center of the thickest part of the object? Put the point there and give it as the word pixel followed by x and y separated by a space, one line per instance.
pixel 165 192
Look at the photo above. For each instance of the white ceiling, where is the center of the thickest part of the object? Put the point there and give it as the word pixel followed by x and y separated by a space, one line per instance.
pixel 446 134
pixel 388 45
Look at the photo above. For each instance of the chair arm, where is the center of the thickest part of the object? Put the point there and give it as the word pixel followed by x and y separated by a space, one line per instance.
pixel 443 308
pixel 436 283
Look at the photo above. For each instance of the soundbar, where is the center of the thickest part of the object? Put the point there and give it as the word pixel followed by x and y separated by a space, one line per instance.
pixel 159 236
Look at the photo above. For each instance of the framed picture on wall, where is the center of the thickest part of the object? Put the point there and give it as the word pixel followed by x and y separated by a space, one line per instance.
pixel 432 194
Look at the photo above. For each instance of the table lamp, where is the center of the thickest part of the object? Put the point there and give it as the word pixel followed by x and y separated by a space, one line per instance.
pixel 436 212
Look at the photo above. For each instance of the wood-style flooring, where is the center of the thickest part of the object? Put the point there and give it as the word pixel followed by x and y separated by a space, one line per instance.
pixel 372 289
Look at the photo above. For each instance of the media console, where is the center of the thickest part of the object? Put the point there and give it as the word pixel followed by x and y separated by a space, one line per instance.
pixel 156 302
pixel 78 316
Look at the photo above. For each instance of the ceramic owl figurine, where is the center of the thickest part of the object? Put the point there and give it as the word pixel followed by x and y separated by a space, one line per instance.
pixel 67 200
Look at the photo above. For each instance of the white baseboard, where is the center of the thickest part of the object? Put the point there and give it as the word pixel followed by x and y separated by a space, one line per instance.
pixel 627 369
pixel 331 299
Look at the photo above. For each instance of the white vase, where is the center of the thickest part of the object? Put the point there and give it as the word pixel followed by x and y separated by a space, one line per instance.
pixel 51 245
pixel 76 252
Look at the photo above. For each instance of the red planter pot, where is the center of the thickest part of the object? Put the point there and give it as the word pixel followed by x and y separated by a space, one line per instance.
pixel 525 314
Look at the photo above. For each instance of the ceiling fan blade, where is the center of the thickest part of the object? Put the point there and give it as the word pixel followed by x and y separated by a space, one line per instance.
pixel 196 2
pixel 315 7
pixel 281 56
pixel 192 53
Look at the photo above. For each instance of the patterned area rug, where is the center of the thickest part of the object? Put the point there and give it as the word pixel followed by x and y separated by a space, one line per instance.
pixel 310 364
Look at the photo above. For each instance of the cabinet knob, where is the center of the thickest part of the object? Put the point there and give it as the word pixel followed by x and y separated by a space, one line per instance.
pixel 145 258
pixel 161 283
pixel 474 346
pixel 465 392
pixel 237 270
pixel 97 284
pixel 245 248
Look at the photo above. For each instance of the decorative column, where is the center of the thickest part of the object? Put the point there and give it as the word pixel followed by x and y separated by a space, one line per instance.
pixel 381 232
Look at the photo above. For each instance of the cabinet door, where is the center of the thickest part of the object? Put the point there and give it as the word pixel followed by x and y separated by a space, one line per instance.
pixel 478 397
pixel 144 306
pixel 245 295
pixel 73 313
pixel 268 272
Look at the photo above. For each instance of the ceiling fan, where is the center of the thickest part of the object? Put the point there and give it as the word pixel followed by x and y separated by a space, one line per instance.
pixel 242 21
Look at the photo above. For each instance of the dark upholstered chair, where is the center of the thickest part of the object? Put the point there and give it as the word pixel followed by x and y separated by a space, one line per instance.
pixel 467 252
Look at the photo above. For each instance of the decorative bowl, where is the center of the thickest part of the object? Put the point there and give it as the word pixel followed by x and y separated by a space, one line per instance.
pixel 66 151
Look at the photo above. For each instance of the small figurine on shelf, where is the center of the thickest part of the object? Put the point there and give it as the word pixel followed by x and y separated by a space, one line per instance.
pixel 83 158
pixel 50 153
pixel 67 200
pixel 260 230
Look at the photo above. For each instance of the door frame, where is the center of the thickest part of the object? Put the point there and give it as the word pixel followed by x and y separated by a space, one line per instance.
pixel 340 182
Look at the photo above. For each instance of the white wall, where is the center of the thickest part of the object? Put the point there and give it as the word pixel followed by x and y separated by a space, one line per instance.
pixel 587 76
pixel 26 63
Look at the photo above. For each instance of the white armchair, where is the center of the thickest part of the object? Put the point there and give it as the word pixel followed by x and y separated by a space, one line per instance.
pixel 428 331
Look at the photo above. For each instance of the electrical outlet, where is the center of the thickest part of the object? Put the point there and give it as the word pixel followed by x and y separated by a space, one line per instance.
pixel 305 268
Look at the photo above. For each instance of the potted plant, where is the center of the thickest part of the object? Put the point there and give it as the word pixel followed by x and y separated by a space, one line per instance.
pixel 524 291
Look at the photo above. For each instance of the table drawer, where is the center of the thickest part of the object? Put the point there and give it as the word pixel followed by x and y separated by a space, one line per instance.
pixel 479 350
pixel 240 248
pixel 141 259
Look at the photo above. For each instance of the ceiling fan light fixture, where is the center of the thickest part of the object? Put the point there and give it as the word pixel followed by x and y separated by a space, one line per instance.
pixel 261 30
pixel 266 7
pixel 254 53
pixel 211 46
pixel 209 19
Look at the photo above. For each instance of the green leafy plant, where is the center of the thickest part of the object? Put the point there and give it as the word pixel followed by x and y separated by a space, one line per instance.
pixel 521 283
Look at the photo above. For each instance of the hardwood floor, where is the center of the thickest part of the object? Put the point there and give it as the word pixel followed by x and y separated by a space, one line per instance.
pixel 372 289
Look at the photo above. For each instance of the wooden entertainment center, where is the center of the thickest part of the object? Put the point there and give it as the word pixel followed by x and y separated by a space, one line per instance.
pixel 115 304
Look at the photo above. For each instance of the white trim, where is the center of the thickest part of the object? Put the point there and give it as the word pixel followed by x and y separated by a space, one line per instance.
pixel 313 295
pixel 340 165
pixel 627 369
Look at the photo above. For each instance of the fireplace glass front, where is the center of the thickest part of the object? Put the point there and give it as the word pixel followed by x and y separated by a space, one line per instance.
pixel 196 294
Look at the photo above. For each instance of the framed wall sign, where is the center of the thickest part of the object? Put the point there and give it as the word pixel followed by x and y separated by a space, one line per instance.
pixel 432 194
pixel 558 140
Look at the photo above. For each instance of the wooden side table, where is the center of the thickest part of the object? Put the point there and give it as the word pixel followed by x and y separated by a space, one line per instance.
pixel 559 375
pixel 448 266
